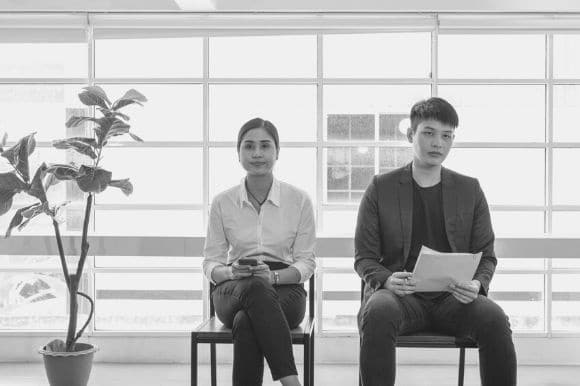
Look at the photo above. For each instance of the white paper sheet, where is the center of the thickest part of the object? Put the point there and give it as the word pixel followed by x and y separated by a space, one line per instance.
pixel 434 271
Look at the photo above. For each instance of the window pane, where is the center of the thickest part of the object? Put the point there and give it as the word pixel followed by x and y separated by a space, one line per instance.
pixel 149 223
pixel 565 223
pixel 297 166
pixel 345 101
pixel 147 261
pixel 507 264
pixel 291 108
pixel 225 170
pixel 156 57
pixel 174 172
pixel 348 171
pixel 378 55
pixel 148 301
pixel 263 57
pixel 517 223
pixel 339 223
pixel 566 56
pixel 566 106
pixel 171 113
pixel 566 263
pixel 37 108
pixel 491 56
pixel 393 127
pixel 336 262
pixel 565 302
pixel 498 113
pixel 496 169
pixel 34 301
pixel 54 53
pixel 341 301
pixel 35 262
pixel 522 299
pixel 566 188
pixel 391 158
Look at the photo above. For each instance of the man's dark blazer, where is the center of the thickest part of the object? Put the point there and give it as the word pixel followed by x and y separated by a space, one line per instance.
pixel 384 225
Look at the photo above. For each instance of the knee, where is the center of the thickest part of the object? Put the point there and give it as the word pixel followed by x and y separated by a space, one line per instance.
pixel 494 323
pixel 241 324
pixel 381 310
pixel 255 288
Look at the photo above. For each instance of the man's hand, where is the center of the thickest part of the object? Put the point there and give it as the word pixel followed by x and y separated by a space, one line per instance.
pixel 401 283
pixel 466 292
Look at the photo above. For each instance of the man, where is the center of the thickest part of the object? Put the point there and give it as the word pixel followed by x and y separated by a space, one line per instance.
pixel 424 203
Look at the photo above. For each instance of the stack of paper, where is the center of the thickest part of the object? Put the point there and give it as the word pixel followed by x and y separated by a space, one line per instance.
pixel 435 271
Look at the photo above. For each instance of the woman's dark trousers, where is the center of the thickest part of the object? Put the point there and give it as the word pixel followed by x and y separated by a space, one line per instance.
pixel 260 316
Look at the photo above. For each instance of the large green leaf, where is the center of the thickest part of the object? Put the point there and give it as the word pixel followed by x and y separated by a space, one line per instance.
pixel 10 184
pixel 130 97
pixel 74 121
pixel 94 96
pixel 18 154
pixel 124 184
pixel 32 212
pixel 136 138
pixel 5 201
pixel 36 186
pixel 3 142
pixel 93 179
pixel 82 145
pixel 118 128
pixel 64 171
pixel 114 114
pixel 17 219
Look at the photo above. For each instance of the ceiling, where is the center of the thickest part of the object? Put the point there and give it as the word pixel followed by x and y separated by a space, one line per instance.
pixel 292 5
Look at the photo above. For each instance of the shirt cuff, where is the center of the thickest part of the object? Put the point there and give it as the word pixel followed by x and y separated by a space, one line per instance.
pixel 208 267
pixel 305 270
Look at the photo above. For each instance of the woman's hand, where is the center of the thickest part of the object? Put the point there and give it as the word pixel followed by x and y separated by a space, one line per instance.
pixel 262 270
pixel 238 271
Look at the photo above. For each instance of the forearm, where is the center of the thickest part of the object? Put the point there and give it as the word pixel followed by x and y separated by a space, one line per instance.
pixel 288 275
pixel 221 273
pixel 373 273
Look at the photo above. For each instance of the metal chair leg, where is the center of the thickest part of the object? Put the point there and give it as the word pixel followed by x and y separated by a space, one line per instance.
pixel 306 361
pixel 193 360
pixel 311 364
pixel 461 366
pixel 213 364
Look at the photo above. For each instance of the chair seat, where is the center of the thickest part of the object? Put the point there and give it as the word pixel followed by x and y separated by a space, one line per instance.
pixel 434 340
pixel 214 331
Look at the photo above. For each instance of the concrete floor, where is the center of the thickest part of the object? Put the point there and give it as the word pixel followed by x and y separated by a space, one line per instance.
pixel 115 374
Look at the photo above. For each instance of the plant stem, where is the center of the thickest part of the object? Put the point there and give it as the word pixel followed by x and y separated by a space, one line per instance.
pixel 61 253
pixel 75 279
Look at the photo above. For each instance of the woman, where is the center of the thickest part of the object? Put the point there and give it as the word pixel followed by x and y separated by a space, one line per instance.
pixel 268 223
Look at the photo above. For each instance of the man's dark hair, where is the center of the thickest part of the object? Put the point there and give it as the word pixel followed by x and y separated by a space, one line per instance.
pixel 433 108
pixel 259 123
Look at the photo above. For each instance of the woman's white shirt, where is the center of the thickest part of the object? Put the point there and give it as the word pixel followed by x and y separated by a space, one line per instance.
pixel 283 231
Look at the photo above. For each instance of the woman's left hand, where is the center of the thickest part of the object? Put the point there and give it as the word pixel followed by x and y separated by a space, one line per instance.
pixel 261 270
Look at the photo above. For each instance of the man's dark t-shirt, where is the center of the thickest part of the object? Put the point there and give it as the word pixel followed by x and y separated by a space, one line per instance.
pixel 428 227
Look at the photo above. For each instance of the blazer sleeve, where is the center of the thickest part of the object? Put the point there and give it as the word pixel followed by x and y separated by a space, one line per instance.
pixel 482 240
pixel 367 242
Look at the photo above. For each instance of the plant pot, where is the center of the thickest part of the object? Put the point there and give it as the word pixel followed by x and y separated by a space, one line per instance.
pixel 69 368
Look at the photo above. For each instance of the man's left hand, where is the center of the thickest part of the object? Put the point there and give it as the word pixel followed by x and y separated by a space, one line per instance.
pixel 465 292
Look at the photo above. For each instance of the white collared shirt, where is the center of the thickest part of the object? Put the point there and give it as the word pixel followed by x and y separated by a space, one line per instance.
pixel 284 230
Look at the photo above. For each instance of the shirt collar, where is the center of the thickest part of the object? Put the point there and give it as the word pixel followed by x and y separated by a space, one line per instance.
pixel 273 195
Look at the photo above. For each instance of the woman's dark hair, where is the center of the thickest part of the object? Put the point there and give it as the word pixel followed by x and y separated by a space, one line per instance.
pixel 259 123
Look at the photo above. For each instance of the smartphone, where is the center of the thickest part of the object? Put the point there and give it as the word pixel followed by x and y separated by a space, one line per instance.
pixel 248 261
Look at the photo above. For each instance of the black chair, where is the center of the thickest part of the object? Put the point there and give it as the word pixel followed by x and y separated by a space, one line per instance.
pixel 430 339
pixel 212 331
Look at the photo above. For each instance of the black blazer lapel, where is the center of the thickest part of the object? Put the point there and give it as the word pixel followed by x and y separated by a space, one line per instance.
pixel 450 198
pixel 406 209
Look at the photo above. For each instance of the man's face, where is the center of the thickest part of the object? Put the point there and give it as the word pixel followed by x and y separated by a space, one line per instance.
pixel 431 142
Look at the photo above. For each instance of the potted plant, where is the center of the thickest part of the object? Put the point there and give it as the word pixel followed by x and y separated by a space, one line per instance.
pixel 68 362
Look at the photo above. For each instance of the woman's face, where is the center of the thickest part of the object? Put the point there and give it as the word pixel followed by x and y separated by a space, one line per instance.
pixel 258 152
